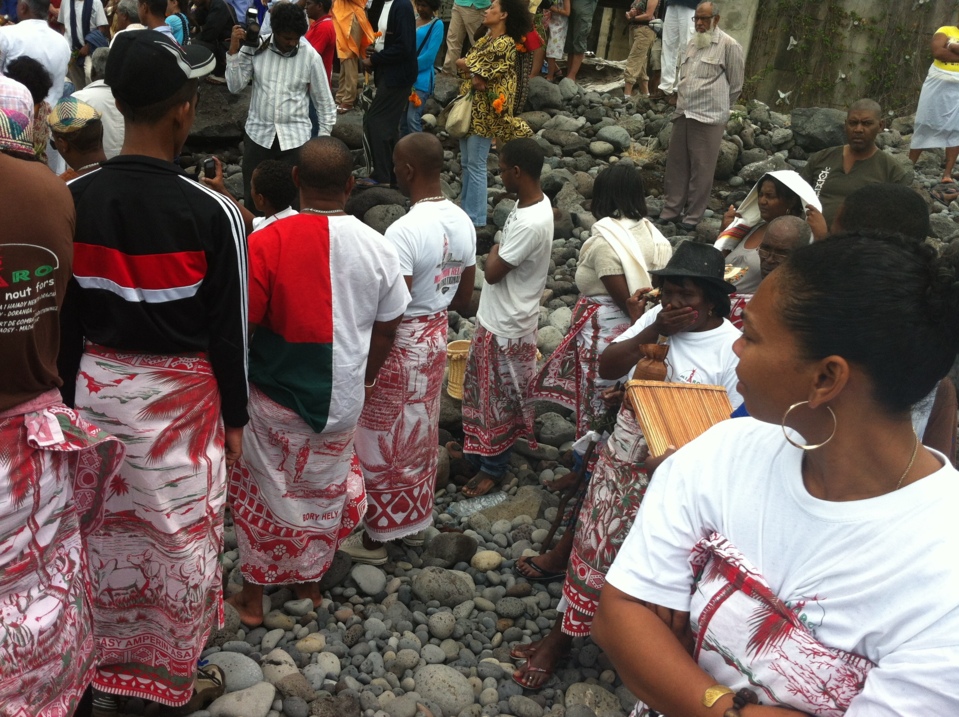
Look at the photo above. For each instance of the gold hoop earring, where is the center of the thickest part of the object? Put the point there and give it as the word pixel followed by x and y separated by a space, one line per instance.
pixel 808 446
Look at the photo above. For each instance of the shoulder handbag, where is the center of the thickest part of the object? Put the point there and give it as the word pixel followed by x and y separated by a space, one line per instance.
pixel 459 116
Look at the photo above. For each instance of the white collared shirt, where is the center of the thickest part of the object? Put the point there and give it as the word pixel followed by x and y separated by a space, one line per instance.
pixel 34 38
pixel 282 89
pixel 99 96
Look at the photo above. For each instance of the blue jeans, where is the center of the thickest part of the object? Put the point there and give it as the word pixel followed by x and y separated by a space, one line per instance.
pixel 473 153
pixel 314 120
pixel 492 465
pixel 412 121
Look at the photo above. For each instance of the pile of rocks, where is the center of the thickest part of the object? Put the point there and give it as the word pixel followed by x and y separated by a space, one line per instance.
pixel 429 633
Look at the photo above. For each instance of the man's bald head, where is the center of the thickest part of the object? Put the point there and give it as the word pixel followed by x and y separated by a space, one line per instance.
pixel 417 162
pixel 783 236
pixel 325 166
pixel 423 151
pixel 866 105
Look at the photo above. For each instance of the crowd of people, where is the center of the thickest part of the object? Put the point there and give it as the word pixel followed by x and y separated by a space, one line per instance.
pixel 172 352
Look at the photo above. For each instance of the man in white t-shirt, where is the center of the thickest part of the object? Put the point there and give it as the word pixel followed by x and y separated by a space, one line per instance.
pixel 79 18
pixel 398 431
pixel 502 357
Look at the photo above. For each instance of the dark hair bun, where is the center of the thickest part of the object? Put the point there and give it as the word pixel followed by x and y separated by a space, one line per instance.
pixel 885 302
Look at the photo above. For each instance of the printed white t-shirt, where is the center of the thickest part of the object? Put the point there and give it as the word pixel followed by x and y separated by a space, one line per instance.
pixel 876 577
pixel 703 357
pixel 435 242
pixel 510 308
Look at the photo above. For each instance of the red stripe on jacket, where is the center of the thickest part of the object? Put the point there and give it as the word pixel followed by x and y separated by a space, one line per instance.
pixel 140 271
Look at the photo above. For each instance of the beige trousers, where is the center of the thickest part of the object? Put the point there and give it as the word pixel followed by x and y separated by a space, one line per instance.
pixel 641 39
pixel 464 21
pixel 349 71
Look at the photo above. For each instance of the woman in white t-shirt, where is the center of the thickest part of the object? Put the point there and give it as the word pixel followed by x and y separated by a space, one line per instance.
pixel 806 560
pixel 695 303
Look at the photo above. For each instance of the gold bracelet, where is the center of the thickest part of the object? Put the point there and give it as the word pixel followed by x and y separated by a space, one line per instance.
pixel 712 694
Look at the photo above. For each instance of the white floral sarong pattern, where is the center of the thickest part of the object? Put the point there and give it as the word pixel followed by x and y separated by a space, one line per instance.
pixel 615 492
pixel 398 431
pixel 295 495
pixel 50 462
pixel 495 407
pixel 155 557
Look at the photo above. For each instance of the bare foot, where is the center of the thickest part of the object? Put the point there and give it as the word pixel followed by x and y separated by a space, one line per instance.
pixel 480 484
pixel 564 482
pixel 525 650
pixel 309 590
pixel 251 611
pixel 539 668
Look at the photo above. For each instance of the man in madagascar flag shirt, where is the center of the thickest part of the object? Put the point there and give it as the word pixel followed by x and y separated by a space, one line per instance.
pixel 326 296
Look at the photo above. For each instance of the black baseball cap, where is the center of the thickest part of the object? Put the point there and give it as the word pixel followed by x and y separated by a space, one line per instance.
pixel 145 67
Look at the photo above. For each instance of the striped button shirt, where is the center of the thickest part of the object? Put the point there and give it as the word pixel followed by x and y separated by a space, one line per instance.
pixel 710 79
pixel 282 89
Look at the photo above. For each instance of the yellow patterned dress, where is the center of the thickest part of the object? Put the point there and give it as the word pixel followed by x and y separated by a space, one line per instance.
pixel 494 59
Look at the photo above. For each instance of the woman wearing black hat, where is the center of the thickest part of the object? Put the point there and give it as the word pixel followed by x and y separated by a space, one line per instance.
pixel 692 318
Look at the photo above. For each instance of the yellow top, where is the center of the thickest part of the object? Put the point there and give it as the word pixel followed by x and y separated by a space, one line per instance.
pixel 952 32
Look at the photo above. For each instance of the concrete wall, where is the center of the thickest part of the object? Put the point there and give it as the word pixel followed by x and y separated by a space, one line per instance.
pixel 897 45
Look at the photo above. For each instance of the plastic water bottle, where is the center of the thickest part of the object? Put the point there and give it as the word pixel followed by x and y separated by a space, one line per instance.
pixel 474 505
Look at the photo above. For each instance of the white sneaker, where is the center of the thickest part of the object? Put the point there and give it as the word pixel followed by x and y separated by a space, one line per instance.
pixel 353 546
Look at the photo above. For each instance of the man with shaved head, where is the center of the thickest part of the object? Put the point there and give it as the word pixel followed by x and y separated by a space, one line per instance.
pixel 399 428
pixel 326 297
pixel 838 171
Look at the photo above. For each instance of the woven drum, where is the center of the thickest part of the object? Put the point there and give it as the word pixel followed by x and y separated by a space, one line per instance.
pixel 456 353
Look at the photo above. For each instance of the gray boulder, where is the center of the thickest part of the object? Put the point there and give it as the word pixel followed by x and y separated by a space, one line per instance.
pixel 349 129
pixel 752 172
pixel 816 128
pixel 616 136
pixel 445 89
pixel 565 123
pixel 728 154
pixel 254 701
pixel 451 548
pixel 555 430
pixel 380 218
pixel 569 89
pixel 445 686
pixel 360 202
pixel 548 338
pixel 536 120
pixel 943 226
pixel 448 587
pixel 544 95
pixel 601 150
pixel 221 115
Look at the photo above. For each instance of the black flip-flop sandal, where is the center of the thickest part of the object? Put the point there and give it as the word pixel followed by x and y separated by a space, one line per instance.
pixel 544 576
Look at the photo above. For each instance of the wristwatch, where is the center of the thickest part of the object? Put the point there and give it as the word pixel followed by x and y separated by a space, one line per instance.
pixel 712 694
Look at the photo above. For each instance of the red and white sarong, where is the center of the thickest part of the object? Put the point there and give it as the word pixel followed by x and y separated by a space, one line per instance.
pixel 46 632
pixel 495 407
pixel 398 432
pixel 747 637
pixel 155 558
pixel 616 489
pixel 570 376
pixel 295 495
pixel 737 303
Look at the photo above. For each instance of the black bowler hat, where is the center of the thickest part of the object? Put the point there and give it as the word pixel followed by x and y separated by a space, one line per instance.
pixel 699 261
pixel 145 67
